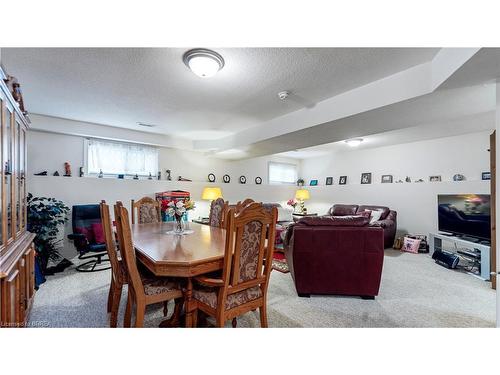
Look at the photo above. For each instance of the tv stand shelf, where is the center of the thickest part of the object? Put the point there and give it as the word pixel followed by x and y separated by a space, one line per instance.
pixel 436 243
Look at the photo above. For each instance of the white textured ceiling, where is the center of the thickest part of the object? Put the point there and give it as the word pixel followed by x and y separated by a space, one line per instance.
pixel 123 86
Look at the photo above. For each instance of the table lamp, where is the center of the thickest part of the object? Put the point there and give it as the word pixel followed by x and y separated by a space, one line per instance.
pixel 211 193
pixel 301 195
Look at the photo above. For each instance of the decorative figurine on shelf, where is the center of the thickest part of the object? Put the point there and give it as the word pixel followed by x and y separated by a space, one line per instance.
pixel 67 170
pixel 169 178
pixel 300 182
pixel 44 173
pixel 408 179
pixel 159 175
pixel 81 172
pixel 101 175
pixel 56 173
pixel 136 177
pixel 150 177
pixel 184 179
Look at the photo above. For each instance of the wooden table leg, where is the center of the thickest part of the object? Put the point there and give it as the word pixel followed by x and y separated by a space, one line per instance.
pixel 188 296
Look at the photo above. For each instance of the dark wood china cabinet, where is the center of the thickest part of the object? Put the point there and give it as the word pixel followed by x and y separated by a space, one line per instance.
pixel 17 253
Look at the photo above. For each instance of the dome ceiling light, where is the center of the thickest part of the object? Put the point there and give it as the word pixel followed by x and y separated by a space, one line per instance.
pixel 203 62
pixel 354 142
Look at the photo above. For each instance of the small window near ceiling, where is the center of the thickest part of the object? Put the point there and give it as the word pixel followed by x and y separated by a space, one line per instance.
pixel 114 158
pixel 282 173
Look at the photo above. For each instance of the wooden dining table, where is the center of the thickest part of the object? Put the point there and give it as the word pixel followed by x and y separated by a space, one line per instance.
pixel 185 256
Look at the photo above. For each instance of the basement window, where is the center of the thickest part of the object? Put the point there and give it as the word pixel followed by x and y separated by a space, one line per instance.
pixel 114 158
pixel 282 173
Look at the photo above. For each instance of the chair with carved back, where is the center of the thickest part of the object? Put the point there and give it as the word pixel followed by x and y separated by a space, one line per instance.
pixel 118 272
pixel 143 289
pixel 241 205
pixel 148 210
pixel 242 287
pixel 218 208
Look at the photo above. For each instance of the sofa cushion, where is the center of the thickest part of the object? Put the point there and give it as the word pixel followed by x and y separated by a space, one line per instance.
pixel 336 221
pixel 385 210
pixel 343 209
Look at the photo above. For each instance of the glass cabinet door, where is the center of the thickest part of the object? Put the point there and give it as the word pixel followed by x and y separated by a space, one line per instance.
pixel 2 131
pixel 23 193
pixel 7 166
pixel 17 180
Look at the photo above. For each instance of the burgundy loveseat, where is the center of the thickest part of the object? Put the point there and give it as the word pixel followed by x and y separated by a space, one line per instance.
pixel 341 256
pixel 387 220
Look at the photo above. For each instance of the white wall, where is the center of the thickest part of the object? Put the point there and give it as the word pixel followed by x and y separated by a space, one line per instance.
pixel 415 202
pixel 49 151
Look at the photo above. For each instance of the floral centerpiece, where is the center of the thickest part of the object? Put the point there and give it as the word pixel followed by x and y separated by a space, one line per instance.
pixel 292 203
pixel 177 209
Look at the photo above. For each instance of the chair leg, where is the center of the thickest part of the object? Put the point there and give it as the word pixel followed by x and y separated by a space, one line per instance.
pixel 165 308
pixel 117 294
pixel 110 295
pixel 195 318
pixel 263 316
pixel 219 322
pixel 234 322
pixel 128 311
pixel 140 310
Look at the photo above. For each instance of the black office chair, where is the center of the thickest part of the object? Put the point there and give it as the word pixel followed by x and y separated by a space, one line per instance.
pixel 84 239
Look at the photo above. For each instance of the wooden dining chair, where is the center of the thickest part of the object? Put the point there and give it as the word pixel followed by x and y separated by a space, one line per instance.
pixel 143 289
pixel 118 271
pixel 218 208
pixel 242 287
pixel 240 205
pixel 148 210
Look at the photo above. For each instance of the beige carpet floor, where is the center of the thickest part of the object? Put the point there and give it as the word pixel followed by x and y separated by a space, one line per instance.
pixel 415 292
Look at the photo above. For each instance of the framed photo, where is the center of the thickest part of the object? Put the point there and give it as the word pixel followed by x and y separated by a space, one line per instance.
pixel 486 176
pixel 314 183
pixel 366 178
pixel 434 178
pixel 342 180
pixel 329 180
pixel 386 179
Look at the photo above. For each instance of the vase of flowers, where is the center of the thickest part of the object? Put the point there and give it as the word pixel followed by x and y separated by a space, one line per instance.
pixel 292 203
pixel 177 209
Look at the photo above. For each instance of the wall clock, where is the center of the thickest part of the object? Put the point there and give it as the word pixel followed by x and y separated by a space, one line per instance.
pixel 243 180
pixel 258 180
pixel 226 178
pixel 211 177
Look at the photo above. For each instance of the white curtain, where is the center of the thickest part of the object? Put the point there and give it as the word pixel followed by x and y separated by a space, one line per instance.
pixel 121 158
pixel 282 173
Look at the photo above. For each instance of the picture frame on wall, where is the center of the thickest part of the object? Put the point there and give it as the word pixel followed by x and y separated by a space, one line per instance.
pixel 329 181
pixel 486 176
pixel 386 179
pixel 342 180
pixel 434 178
pixel 366 178
pixel 314 183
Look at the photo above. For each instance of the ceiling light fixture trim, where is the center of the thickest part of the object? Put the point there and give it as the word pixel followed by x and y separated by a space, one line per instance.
pixel 354 142
pixel 203 62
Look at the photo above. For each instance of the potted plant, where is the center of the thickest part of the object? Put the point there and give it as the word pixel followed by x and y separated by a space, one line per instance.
pixel 300 182
pixel 45 216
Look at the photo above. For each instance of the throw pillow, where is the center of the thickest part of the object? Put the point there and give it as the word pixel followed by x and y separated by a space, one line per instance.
pixel 87 232
pixel 285 214
pixel 410 245
pixel 98 233
pixel 375 215
pixel 365 213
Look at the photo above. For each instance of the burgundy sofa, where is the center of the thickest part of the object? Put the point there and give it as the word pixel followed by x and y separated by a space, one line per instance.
pixel 341 256
pixel 387 221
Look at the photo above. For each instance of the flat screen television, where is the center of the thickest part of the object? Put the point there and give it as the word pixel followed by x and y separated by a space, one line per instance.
pixel 465 215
